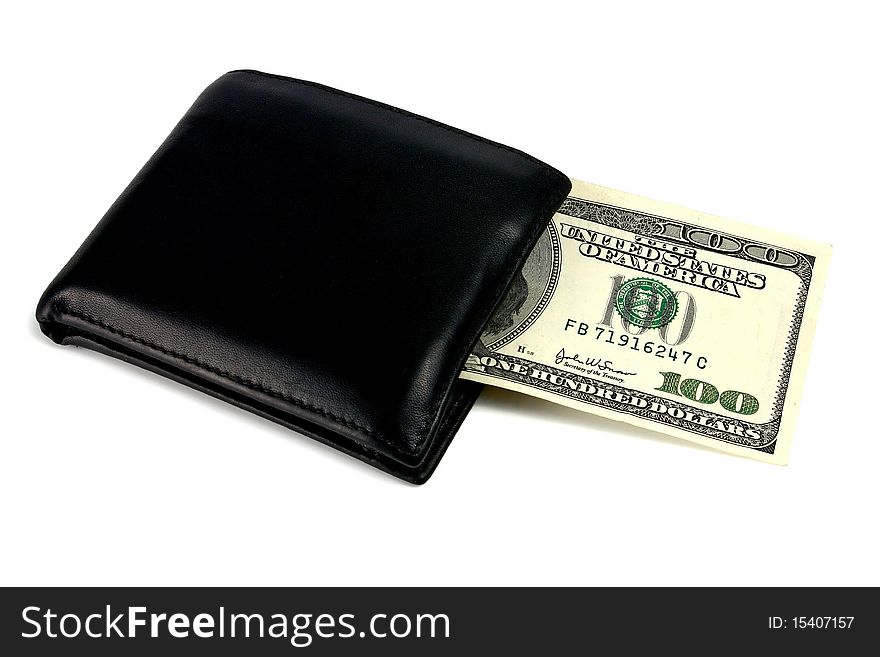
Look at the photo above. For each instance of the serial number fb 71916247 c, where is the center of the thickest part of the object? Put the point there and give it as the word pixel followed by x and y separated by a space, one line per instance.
pixel 663 317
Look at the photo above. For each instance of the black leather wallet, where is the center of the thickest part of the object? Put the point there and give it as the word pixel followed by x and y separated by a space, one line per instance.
pixel 318 258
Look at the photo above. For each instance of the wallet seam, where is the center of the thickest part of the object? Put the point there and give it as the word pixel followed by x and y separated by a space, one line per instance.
pixel 94 321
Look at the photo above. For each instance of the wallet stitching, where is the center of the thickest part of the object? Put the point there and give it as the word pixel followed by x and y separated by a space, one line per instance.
pixel 225 374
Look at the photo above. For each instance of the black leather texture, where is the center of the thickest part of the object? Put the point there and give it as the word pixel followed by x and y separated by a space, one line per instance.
pixel 318 258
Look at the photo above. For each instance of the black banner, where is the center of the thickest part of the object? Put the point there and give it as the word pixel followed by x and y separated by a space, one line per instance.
pixel 436 621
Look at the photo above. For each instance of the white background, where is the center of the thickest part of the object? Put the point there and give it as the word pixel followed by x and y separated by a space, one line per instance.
pixel 765 114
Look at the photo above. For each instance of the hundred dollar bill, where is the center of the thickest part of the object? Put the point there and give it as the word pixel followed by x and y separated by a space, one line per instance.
pixel 662 317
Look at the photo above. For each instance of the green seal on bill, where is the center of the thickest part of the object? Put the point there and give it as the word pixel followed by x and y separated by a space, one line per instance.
pixel 647 303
